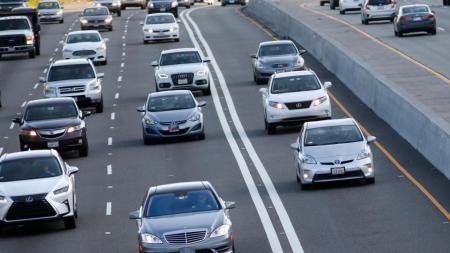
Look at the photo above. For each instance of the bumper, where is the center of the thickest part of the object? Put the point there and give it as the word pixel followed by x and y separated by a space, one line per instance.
pixel 266 73
pixel 380 15
pixel 234 1
pixel 417 27
pixel 133 4
pixel 198 83
pixel 99 56
pixel 161 36
pixel 95 26
pixel 162 132
pixel 16 49
pixel 68 142
pixel 293 117
pixel 222 245
pixel 51 18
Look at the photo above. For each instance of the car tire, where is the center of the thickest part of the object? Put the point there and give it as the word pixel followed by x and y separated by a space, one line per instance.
pixel 99 106
pixel 69 222
pixel 110 29
pixel 270 127
pixel 223 4
pixel 400 34
pixel 433 32
pixel 32 54
pixel 322 3
pixel 365 22
pixel 305 186
pixel 61 21
pixel 243 3
pixel 147 141
pixel 298 178
pixel 177 40
pixel 188 6
pixel 175 13
pixel 395 33
pixel 149 12
pixel 201 136
pixel 156 87
pixel 370 180
pixel 119 13
pixel 122 7
pixel 207 91
pixel 342 12
pixel 84 151
pixel 142 7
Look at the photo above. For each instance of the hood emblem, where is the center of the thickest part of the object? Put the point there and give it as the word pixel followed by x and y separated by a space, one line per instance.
pixel 337 162
pixel 298 105
pixel 29 199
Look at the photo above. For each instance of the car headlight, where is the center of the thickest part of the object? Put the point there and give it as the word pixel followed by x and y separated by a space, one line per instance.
pixel 363 154
pixel 94 85
pixel 49 91
pixel 2 199
pixel 83 21
pixel 195 117
pixel 299 62
pixel 162 76
pixel 61 190
pixel 115 4
pixel 100 48
pixel 58 12
pixel 174 4
pixel 149 238
pixel 309 159
pixel 148 30
pixel 28 132
pixel 67 50
pixel 108 20
pixel 260 65
pixel 173 29
pixel 223 230
pixel 150 5
pixel 319 101
pixel 29 39
pixel 148 121
pixel 201 73
pixel 72 129
pixel 277 105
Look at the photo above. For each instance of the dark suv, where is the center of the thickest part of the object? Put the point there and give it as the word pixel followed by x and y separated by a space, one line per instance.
pixel 156 6
pixel 53 123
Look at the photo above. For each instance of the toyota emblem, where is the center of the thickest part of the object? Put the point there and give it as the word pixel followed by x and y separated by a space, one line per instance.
pixel 29 199
pixel 337 162
pixel 298 105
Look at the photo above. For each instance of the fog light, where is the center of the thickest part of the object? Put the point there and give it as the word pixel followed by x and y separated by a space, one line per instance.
pixel 80 141
pixel 370 170
pixel 305 175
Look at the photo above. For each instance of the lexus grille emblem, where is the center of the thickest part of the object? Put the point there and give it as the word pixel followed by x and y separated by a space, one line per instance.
pixel 337 162
pixel 298 105
pixel 11 41
pixel 29 199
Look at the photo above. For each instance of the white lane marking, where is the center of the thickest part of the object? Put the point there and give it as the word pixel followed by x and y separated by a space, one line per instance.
pixel 122 65
pixel 246 175
pixel 45 71
pixel 124 45
pixel 113 116
pixel 110 186
pixel 12 125
pixel 1 150
pixel 119 79
pixel 108 208
pixel 23 104
pixel 109 169
pixel 110 141
pixel 441 29
pixel 56 50
pixel 107 233
pixel 116 96
pixel 35 85
pixel 123 37
pixel 271 190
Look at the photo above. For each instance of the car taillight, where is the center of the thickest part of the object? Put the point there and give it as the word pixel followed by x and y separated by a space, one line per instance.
pixel 429 16
pixel 403 17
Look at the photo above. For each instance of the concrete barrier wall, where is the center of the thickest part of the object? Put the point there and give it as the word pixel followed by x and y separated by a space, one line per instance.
pixel 425 131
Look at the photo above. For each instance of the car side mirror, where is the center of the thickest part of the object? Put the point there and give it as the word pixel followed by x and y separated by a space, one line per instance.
pixel 141 23
pixel 371 139
pixel 155 64
pixel 42 80
pixel 206 59
pixel 201 103
pixel 302 51
pixel 135 215
pixel 327 85
pixel 85 114
pixel 294 146
pixel 253 56
pixel 105 40
pixel 263 91
pixel 140 109
pixel 17 121
pixel 72 170
pixel 100 75
pixel 230 205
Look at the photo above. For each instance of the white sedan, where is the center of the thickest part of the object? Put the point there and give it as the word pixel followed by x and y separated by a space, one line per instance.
pixel 333 150
pixel 349 5
pixel 294 97
pixel 160 26
pixel 85 44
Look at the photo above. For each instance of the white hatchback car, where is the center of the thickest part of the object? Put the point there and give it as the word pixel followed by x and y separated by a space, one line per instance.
pixel 294 97
pixel 375 10
pixel 85 44
pixel 160 26
pixel 349 5
pixel 333 150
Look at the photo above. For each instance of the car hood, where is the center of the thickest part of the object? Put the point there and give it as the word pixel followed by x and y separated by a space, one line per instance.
pixel 341 152
pixel 160 26
pixel 297 96
pixel 66 83
pixel 48 11
pixel 30 187
pixel 202 220
pixel 278 59
pixel 14 32
pixel 171 116
pixel 83 45
pixel 51 124
pixel 181 68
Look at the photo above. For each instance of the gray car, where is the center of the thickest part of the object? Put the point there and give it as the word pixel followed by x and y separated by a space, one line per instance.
pixel 184 217
pixel 170 114
pixel 96 18
pixel 276 56
pixel 50 11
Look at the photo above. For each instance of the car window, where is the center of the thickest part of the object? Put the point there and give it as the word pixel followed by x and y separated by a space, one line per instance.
pixel 379 2
pixel 48 5
pixel 71 72
pixel 415 9
pixel 332 135
pixel 170 103
pixel 283 49
pixel 48 112
pixel 180 58
pixel 181 202
pixel 14 24
pixel 294 84
pixel 95 12
pixel 29 168
pixel 83 37
pixel 160 19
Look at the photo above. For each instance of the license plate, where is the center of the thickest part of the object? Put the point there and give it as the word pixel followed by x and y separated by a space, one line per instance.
pixel 337 171
pixel 417 19
pixel 173 129
pixel 162 9
pixel 10 49
pixel 52 144
pixel 182 81
pixel 380 7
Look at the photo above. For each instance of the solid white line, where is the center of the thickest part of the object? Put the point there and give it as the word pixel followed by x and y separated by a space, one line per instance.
pixel 23 104
pixel 12 125
pixel 113 116
pixel 116 96
pixel 119 79
pixel 35 85
pixel 108 208
pixel 1 150
pixel 122 65
pixel 271 190
pixel 109 169
pixel 246 175
pixel 110 141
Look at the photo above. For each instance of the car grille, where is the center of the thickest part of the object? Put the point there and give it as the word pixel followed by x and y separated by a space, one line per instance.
pixel 347 174
pixel 71 89
pixel 30 207
pixel 173 123
pixel 12 40
pixel 188 76
pixel 341 162
pixel 161 31
pixel 83 53
pixel 298 105
pixel 52 133
pixel 96 21
pixel 179 132
pixel 280 65
pixel 186 237
pixel 162 5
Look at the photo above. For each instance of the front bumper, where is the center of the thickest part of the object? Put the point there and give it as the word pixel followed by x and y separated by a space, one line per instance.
pixel 159 131
pixel 99 56
pixel 380 15
pixel 423 26
pixel 101 25
pixel 86 98
pixel 197 83
pixel 50 18
pixel 296 116
pixel 266 73
pixel 16 49
pixel 221 244
pixel 67 142
pixel 161 35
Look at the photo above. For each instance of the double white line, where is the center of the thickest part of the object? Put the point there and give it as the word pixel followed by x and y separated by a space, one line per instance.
pixel 254 193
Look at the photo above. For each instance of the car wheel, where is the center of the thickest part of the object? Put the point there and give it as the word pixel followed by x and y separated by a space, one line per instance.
pixel 119 13
pixel 149 12
pixel 370 180
pixel 201 136
pixel 32 54
pixel 396 33
pixel 298 178
pixel 177 40
pixel 270 127
pixel 365 22
pixel 400 34
pixel 99 106
pixel 207 91
pixel 188 6
pixel 84 151
pixel 147 140
pixel 156 87
pixel 69 222
pixel 105 62
pixel 332 5
pixel 176 13
pixel 61 21
pixel 75 208
pixel 305 186
pixel 110 29
pixel 122 7
pixel 142 7
pixel 342 12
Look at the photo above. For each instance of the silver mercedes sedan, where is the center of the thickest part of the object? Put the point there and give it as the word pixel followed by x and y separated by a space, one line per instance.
pixel 184 217
pixel 333 150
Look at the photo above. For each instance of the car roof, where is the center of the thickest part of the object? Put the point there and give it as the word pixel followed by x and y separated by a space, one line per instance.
pixel 83 31
pixel 14 17
pixel 170 92
pixel 177 187
pixel 46 101
pixel 275 42
pixel 330 122
pixel 96 7
pixel 70 62
pixel 178 50
pixel 28 154
pixel 293 73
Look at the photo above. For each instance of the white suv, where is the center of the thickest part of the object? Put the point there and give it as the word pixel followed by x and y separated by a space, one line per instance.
pixel 374 10
pixel 36 186
pixel 294 97
pixel 75 78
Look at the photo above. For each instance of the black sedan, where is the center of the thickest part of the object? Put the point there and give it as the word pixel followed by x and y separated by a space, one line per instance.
pixel 53 123
pixel 96 18
pixel 414 18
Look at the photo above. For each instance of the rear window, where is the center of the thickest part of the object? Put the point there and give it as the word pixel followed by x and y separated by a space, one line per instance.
pixel 48 5
pixel 14 24
pixel 415 9
pixel 379 2
pixel 29 168
pixel 71 72
pixel 294 84
pixel 49 112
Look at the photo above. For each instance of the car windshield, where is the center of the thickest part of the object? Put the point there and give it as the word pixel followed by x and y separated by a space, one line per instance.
pixel 83 37
pixel 48 5
pixel 415 9
pixel 49 112
pixel 71 72
pixel 29 168
pixel 283 49
pixel 379 2
pixel 294 84
pixel 181 202
pixel 101 11
pixel 180 58
pixel 14 24
pixel 160 19
pixel 170 103
pixel 332 135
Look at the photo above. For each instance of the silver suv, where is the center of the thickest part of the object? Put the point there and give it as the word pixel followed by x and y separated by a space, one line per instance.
pixel 374 10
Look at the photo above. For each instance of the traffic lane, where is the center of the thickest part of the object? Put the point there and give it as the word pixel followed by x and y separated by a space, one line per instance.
pixel 168 161
pixel 330 215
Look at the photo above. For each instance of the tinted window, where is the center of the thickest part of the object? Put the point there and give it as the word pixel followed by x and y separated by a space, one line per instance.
pixel 70 72
pixel 332 135
pixel 160 19
pixel 14 24
pixel 379 2
pixel 180 58
pixel 83 37
pixel 284 49
pixel 170 103
pixel 48 5
pixel 294 84
pixel 54 111
pixel 415 9
pixel 181 202
pixel 96 12
pixel 29 168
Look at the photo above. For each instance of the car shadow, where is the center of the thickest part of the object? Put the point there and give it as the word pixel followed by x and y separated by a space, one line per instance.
pixel 32 229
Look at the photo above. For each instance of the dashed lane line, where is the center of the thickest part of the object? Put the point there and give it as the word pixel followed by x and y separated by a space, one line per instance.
pixel 109 169
pixel 110 140
pixel 116 96
pixel 23 104
pixel 119 79
pixel 12 125
pixel 113 116
pixel 108 208
pixel 35 85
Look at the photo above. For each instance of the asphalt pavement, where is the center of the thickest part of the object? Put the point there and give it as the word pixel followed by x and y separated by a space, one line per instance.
pixel 243 163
